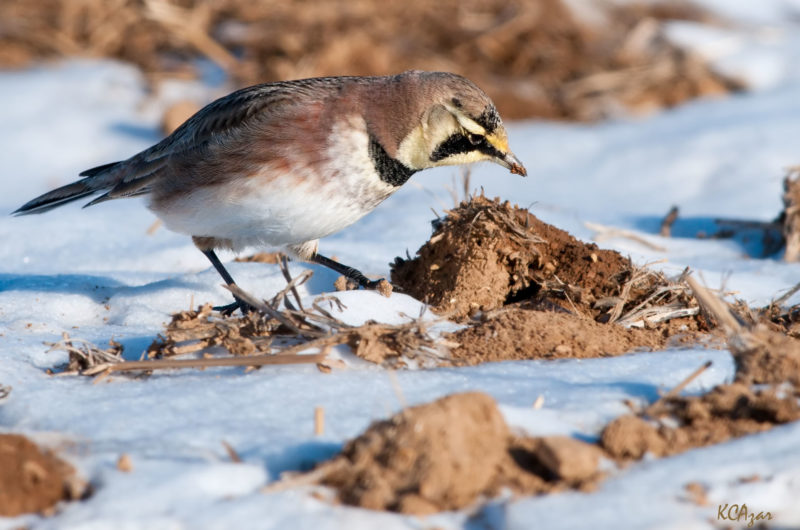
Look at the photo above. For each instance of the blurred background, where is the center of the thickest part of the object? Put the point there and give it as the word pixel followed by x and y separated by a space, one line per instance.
pixel 555 59
pixel 623 110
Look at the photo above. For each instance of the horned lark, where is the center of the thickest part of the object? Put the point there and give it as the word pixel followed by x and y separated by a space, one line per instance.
pixel 285 164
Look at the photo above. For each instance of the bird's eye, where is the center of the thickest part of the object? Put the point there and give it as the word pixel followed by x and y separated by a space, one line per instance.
pixel 474 139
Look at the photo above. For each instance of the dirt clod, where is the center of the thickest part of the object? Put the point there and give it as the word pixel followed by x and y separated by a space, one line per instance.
pixel 630 437
pixel 441 455
pixel 767 357
pixel 32 480
pixel 447 454
pixel 486 254
pixel 727 411
pixel 569 459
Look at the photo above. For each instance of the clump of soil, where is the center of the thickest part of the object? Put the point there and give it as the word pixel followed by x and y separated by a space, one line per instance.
pixel 447 454
pixel 486 254
pixel 765 352
pixel 456 451
pixel 526 334
pixel 535 58
pixel 32 480
pixel 534 291
pixel 766 357
pixel 728 411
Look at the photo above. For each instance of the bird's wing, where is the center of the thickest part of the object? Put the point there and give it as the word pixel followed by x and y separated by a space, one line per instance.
pixel 215 124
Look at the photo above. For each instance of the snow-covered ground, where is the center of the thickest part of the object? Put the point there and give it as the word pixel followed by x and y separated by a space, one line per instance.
pixel 97 274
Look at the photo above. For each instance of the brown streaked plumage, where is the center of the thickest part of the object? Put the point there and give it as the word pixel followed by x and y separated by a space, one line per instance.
pixel 284 164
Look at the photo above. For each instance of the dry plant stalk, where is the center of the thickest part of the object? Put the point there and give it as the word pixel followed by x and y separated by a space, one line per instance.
pixel 85 356
pixel 660 299
pixel 791 214
pixel 251 339
pixel 603 233
pixel 319 421
pixel 668 221
pixel 654 409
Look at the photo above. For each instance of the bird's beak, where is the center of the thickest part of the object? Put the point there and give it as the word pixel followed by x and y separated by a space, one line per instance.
pixel 506 158
pixel 512 163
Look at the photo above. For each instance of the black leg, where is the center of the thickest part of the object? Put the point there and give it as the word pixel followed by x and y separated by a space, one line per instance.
pixel 228 279
pixel 347 272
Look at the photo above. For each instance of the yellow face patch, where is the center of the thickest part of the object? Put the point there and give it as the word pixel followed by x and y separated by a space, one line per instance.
pixel 498 140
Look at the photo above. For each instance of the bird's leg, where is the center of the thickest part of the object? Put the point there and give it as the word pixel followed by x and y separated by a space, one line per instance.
pixel 238 304
pixel 347 272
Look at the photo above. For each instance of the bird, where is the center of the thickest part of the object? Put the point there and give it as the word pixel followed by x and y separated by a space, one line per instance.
pixel 283 164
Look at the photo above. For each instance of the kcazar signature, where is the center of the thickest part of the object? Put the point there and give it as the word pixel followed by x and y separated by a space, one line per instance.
pixel 741 513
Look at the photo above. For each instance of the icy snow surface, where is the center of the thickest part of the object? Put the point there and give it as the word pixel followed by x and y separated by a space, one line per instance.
pixel 96 274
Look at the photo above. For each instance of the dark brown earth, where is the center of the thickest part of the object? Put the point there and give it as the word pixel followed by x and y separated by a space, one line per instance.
pixel 32 480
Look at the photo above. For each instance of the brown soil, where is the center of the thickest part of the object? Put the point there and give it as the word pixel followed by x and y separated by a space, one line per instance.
pixel 534 57
pixel 526 334
pixel 728 411
pixel 447 454
pixel 766 357
pixel 457 451
pixel 485 254
pixel 531 290
pixel 32 480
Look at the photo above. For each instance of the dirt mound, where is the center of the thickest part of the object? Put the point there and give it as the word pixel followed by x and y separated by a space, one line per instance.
pixel 486 254
pixel 767 357
pixel 532 290
pixel 535 58
pixel 527 334
pixel 728 411
pixel 457 451
pixel 445 455
pixel 32 480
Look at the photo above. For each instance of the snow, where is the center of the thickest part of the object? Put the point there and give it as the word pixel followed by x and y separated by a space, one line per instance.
pixel 96 274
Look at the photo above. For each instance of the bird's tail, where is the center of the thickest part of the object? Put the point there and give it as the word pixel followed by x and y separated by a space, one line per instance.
pixel 96 179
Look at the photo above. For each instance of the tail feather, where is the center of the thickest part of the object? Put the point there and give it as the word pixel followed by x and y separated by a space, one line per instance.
pixel 85 187
pixel 97 170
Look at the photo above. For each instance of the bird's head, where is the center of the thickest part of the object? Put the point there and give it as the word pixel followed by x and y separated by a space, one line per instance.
pixel 455 123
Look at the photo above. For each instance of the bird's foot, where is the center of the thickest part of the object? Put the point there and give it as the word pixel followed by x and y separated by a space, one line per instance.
pixel 382 286
pixel 228 310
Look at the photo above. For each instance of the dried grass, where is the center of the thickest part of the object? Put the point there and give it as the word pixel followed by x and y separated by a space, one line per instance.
pixel 266 336
pixel 533 56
